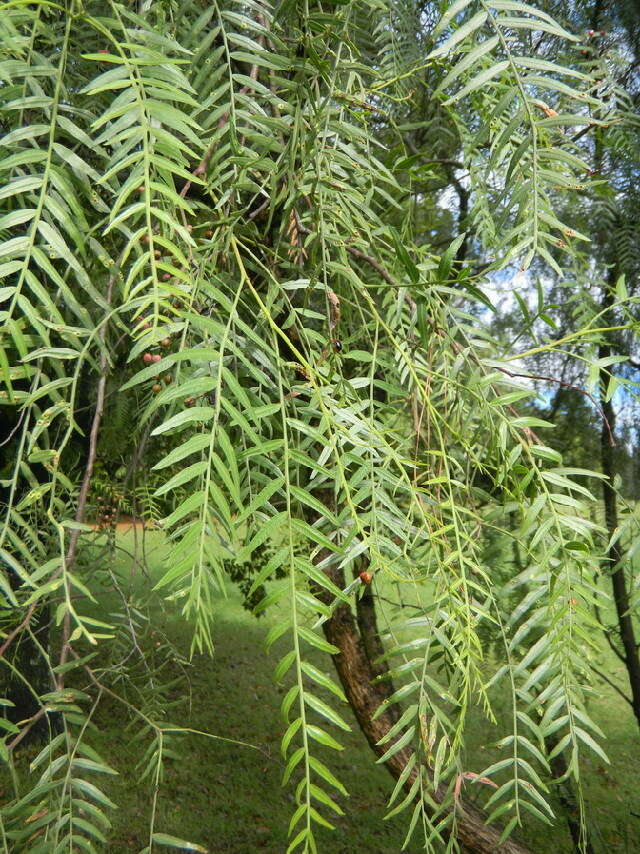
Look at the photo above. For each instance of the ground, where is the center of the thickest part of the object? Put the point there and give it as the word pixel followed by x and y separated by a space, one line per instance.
pixel 229 798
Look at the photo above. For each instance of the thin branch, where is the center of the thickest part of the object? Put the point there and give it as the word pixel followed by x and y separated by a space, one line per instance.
pixel 399 604
pixel 27 728
pixel 15 429
pixel 372 262
pixel 259 210
pixel 569 385
pixel 582 132
pixel 12 634
pixel 88 472
pixel 607 634
pixel 606 679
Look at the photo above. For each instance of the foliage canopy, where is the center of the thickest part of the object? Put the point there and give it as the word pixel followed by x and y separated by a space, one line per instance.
pixel 218 228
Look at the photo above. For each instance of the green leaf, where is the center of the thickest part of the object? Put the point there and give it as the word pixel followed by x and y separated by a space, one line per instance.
pixel 187 416
pixel 470 26
pixel 404 257
pixel 315 640
pixel 174 842
pixel 321 769
pixel 469 61
pixel 322 679
pixel 184 476
pixel 191 446
pixel 584 736
pixel 398 745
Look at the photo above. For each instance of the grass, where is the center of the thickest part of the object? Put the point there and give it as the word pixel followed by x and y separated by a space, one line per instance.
pixel 229 798
pixel 223 796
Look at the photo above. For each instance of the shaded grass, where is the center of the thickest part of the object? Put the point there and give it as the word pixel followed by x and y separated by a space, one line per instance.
pixel 228 797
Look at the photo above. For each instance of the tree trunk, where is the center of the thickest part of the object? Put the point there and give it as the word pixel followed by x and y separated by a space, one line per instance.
pixel 356 673
pixel 613 565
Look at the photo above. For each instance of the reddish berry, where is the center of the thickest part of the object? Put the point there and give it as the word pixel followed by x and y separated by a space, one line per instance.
pixel 156 388
pixel 366 577
pixel 156 357
pixel 148 358
pixel 166 276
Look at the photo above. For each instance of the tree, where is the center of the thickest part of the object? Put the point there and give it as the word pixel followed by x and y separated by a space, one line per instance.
pixel 596 382
pixel 217 211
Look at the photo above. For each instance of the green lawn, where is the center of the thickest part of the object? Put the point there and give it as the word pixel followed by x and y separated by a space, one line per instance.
pixel 229 798
pixel 225 797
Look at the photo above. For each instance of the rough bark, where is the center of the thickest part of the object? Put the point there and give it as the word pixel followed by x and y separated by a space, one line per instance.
pixel 356 674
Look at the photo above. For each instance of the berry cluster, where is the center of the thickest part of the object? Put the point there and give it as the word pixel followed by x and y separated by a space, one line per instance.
pixel 108 505
pixel 151 358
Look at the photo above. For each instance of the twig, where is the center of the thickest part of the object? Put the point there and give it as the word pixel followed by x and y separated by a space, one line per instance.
pixel 582 132
pixel 10 637
pixel 201 168
pixel 372 262
pixel 377 266
pixel 399 604
pixel 27 728
pixel 15 429
pixel 565 384
pixel 259 210
pixel 612 684
pixel 88 472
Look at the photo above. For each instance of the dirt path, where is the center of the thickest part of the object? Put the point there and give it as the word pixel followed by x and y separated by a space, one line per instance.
pixel 127 523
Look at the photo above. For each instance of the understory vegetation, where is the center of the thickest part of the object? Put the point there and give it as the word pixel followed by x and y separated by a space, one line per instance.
pixel 227 796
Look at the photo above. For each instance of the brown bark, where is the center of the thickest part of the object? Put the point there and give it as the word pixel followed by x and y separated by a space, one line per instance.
pixel 85 486
pixel 356 674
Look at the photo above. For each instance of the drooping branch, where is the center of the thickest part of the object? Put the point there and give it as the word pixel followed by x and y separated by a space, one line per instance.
pixel 356 674
pixel 613 564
